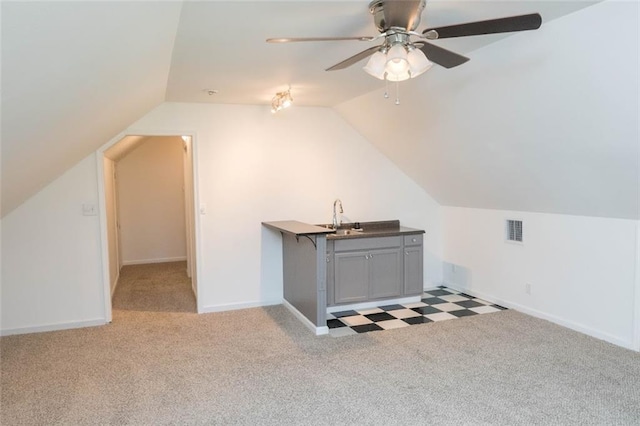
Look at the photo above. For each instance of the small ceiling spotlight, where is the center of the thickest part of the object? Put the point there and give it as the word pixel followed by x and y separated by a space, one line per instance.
pixel 281 101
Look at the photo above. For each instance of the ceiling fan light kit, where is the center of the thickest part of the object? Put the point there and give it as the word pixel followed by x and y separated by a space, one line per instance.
pixel 398 63
pixel 399 58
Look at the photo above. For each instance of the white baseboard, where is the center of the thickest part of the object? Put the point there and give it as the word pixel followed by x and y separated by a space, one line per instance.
pixel 318 331
pixel 374 304
pixel 628 344
pixel 159 260
pixel 53 327
pixel 236 306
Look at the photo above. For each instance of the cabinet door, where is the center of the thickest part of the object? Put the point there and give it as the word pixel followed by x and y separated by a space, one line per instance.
pixel 351 280
pixel 413 270
pixel 385 273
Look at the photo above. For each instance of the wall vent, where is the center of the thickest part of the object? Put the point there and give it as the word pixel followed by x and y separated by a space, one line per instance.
pixel 514 230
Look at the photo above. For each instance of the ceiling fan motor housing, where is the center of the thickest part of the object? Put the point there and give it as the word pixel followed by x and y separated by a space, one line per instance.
pixel 397 13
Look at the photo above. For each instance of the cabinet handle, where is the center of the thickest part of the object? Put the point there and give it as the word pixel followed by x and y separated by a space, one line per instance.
pixel 366 256
pixel 370 256
pixel 328 260
pixel 414 239
pixel 407 253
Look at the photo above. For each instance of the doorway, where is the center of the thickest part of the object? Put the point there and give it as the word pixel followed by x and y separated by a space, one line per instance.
pixel 148 222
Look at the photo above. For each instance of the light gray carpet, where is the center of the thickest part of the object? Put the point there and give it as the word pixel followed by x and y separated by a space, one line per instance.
pixel 261 366
pixel 155 287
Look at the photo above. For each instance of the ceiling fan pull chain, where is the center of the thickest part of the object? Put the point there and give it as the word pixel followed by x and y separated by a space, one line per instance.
pixel 386 88
pixel 397 93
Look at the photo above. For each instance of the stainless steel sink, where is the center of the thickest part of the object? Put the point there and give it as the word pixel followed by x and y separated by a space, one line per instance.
pixel 343 231
pixel 348 231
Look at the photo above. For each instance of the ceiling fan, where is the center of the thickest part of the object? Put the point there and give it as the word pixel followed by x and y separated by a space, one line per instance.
pixel 405 53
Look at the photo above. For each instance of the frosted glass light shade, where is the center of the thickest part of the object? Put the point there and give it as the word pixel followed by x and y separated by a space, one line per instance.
pixel 375 65
pixel 397 63
pixel 399 77
pixel 418 62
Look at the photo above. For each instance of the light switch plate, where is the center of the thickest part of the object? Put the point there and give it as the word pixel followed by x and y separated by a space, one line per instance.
pixel 89 210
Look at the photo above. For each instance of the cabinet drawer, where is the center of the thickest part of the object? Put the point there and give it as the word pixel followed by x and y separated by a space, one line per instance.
pixel 413 240
pixel 367 243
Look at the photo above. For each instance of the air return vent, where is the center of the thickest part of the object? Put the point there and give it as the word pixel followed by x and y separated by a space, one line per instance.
pixel 514 230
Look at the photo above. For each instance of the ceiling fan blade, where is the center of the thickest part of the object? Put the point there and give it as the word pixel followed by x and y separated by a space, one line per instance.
pixel 440 56
pixel 355 58
pixel 491 26
pixel 296 39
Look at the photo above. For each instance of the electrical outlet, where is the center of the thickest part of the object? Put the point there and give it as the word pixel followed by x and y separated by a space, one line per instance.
pixel 527 288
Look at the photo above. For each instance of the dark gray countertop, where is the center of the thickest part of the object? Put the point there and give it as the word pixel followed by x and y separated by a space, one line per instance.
pixel 387 228
pixel 297 228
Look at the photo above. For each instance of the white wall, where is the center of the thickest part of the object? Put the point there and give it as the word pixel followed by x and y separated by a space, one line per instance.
pixel 252 166
pixel 112 217
pixel 255 166
pixel 581 269
pixel 150 183
pixel 51 257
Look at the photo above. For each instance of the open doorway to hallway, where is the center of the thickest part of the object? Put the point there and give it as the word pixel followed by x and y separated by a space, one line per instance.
pixel 148 194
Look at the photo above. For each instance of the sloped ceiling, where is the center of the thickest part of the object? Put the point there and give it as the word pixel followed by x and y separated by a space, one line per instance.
pixel 76 73
pixel 544 121
pixel 124 146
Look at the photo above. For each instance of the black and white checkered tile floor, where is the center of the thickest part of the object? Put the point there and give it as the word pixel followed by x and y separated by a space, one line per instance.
pixel 436 305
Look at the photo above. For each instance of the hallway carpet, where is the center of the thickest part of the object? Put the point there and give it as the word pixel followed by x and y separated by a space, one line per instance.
pixel 154 287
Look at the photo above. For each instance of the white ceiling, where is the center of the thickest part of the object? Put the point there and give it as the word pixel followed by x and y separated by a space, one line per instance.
pixel 124 147
pixel 75 74
pixel 221 46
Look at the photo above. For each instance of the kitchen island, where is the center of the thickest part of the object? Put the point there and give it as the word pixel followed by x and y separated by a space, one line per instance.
pixel 355 263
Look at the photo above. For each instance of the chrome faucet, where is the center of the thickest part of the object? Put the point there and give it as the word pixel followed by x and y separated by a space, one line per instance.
pixel 335 223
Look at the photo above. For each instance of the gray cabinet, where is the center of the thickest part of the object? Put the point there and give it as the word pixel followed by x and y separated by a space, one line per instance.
pixel 385 273
pixel 413 265
pixel 363 269
pixel 352 276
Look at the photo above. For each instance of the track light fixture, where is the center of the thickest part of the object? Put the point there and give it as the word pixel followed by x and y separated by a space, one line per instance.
pixel 281 100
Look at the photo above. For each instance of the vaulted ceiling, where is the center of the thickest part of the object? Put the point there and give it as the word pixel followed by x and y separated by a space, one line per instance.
pixel 75 74
pixel 546 121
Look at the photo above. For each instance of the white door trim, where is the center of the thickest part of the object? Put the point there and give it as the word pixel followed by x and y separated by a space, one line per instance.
pixel 636 316
pixel 104 236
pixel 195 231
